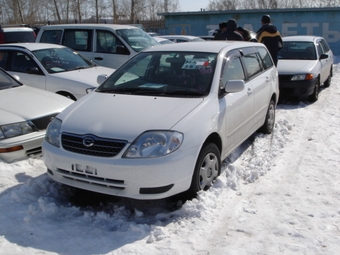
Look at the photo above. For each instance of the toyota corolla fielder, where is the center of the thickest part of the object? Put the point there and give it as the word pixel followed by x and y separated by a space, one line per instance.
pixel 161 124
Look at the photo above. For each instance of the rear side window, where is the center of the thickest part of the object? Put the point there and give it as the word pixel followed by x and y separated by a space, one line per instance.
pixel 79 40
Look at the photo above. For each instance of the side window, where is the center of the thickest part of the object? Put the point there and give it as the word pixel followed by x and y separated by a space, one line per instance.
pixel 21 62
pixel 266 59
pixel 233 70
pixel 51 36
pixel 79 40
pixel 107 42
pixel 320 51
pixel 252 64
pixel 3 59
pixel 324 45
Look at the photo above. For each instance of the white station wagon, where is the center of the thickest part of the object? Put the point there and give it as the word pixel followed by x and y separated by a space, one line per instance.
pixel 161 123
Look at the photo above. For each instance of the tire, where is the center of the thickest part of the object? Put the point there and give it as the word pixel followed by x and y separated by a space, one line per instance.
pixel 315 96
pixel 207 169
pixel 327 83
pixel 269 122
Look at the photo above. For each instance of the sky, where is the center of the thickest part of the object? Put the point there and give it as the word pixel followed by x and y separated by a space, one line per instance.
pixel 277 194
pixel 193 5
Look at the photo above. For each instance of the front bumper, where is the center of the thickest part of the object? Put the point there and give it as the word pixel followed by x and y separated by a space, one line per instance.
pixel 148 178
pixel 296 88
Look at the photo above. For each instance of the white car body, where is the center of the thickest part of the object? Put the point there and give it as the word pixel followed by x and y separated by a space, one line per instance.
pixel 162 40
pixel 21 103
pixel 68 83
pixel 182 38
pixel 225 118
pixel 314 67
pixel 109 45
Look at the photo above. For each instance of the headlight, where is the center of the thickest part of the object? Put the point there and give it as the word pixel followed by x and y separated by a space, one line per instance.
pixel 302 77
pixel 154 144
pixel 52 132
pixel 15 129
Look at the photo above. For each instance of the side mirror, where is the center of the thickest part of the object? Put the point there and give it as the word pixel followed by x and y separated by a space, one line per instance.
pixel 16 77
pixel 101 78
pixel 233 86
pixel 33 70
pixel 323 56
pixel 120 49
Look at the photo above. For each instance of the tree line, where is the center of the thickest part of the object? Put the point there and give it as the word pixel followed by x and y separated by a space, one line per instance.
pixel 66 11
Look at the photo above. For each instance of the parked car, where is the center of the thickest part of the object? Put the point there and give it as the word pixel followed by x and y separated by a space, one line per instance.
pixel 305 63
pixel 183 38
pixel 181 109
pixel 52 67
pixel 153 34
pixel 25 113
pixel 16 33
pixel 106 44
pixel 163 40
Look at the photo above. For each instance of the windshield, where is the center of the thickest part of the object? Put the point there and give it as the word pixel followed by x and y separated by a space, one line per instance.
pixel 180 74
pixel 298 50
pixel 6 81
pixel 137 39
pixel 56 60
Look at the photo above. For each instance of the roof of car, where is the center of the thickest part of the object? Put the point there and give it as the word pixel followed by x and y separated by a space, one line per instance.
pixel 304 38
pixel 16 29
pixel 213 47
pixel 179 36
pixel 32 46
pixel 112 26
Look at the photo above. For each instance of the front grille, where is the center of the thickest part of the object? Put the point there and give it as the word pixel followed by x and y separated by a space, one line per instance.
pixel 102 147
pixel 42 123
pixel 285 77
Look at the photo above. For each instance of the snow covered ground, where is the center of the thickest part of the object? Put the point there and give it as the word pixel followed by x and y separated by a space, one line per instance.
pixel 277 194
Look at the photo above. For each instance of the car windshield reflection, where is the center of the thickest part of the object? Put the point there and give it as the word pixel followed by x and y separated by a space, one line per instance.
pixel 180 74
pixel 56 60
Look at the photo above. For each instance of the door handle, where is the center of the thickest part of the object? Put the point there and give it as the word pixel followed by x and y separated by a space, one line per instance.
pixel 249 92
pixel 98 58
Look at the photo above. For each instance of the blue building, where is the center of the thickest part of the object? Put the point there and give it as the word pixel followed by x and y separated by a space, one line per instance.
pixel 323 22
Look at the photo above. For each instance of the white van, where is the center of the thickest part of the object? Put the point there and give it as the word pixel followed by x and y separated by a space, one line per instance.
pixel 106 44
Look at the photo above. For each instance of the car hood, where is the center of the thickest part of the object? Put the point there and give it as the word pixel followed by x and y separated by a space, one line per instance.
pixel 25 103
pixel 87 76
pixel 292 66
pixel 124 116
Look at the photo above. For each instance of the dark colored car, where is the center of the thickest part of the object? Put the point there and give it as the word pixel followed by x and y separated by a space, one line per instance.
pixel 14 34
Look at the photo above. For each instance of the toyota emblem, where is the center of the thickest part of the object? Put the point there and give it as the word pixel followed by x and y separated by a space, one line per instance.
pixel 88 141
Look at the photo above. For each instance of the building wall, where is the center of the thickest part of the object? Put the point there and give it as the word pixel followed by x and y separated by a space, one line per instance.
pixel 312 21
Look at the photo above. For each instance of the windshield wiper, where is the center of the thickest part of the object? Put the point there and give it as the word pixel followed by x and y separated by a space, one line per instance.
pixel 77 68
pixel 184 93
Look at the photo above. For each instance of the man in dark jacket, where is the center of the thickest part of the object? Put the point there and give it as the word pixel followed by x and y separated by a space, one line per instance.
pixel 229 31
pixel 270 36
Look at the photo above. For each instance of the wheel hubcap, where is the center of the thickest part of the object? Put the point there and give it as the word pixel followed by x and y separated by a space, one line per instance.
pixel 209 171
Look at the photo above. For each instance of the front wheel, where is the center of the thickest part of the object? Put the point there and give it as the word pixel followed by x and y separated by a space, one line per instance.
pixel 269 122
pixel 207 169
pixel 315 96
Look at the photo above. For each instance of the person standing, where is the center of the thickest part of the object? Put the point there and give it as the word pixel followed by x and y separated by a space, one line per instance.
pixel 270 36
pixel 220 35
pixel 231 33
